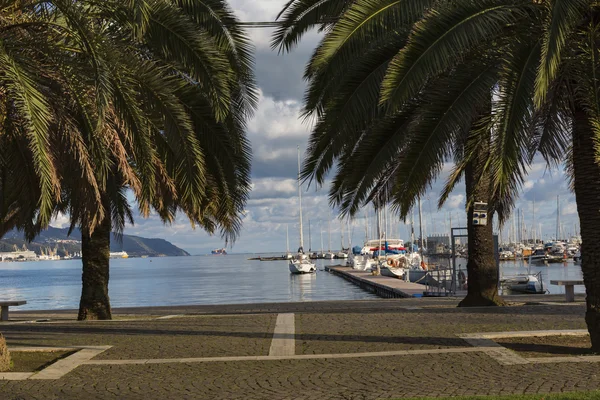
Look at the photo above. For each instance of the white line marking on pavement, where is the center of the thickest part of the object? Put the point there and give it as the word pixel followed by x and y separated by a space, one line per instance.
pixel 292 357
pixel 283 343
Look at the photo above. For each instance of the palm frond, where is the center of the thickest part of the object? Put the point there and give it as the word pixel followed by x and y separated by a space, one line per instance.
pixel 562 18
pixel 440 40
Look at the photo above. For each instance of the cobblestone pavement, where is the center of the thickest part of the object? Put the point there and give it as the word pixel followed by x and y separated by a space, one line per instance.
pixel 367 378
pixel 212 336
pixel 324 328
pixel 422 329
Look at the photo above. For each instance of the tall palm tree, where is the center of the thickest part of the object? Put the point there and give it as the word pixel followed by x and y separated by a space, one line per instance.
pixel 404 148
pixel 156 97
pixel 553 97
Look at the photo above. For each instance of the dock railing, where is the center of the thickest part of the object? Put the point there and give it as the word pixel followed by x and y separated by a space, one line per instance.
pixel 439 282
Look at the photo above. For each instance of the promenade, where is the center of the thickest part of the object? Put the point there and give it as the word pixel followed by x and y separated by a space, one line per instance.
pixel 387 348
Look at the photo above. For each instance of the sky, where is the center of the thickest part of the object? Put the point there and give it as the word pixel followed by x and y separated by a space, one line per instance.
pixel 276 131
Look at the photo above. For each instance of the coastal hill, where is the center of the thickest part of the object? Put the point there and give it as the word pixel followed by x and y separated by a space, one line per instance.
pixel 57 240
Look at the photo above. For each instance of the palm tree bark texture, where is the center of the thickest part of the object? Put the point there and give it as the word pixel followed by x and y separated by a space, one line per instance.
pixel 481 265
pixel 95 249
pixel 587 191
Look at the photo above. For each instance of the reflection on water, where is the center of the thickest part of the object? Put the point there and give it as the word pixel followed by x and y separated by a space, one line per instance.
pixel 302 286
pixel 174 280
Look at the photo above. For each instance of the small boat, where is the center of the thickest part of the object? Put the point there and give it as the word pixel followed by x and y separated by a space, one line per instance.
pixel 219 252
pixel 526 284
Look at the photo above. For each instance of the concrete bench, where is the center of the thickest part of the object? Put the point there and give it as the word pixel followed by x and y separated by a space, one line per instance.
pixel 5 304
pixel 569 288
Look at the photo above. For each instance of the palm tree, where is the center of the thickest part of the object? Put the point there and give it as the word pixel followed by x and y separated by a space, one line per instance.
pixel 155 97
pixel 549 98
pixel 402 149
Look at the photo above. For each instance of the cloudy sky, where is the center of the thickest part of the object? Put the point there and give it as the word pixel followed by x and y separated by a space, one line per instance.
pixel 276 131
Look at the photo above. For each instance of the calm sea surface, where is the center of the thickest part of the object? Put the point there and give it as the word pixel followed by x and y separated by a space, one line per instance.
pixel 164 281
pixel 203 280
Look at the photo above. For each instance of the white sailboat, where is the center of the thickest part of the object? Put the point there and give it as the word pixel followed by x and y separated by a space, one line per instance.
pixel 301 264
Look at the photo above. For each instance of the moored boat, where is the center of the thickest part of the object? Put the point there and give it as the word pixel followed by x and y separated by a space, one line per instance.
pixel 301 264
pixel 526 284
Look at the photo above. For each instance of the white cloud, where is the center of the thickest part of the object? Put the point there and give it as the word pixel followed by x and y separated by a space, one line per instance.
pixel 278 119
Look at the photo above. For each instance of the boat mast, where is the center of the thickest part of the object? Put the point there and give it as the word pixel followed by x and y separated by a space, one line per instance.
pixel 366 225
pixel 321 229
pixel 342 233
pixel 533 226
pixel 309 237
pixel 557 217
pixel 329 230
pixel 300 199
pixel 287 238
pixel 349 234
pixel 412 230
pixel 421 226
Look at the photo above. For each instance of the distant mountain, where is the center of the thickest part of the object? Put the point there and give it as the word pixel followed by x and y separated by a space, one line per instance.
pixel 57 239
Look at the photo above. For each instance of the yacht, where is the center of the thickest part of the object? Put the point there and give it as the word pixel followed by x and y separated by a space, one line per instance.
pixel 541 256
pixel 301 263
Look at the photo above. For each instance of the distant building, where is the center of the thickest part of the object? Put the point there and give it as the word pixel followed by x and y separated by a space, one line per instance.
pixel 18 255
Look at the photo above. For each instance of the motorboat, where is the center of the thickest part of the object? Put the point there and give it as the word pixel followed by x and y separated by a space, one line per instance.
pixel 541 256
pixel 526 284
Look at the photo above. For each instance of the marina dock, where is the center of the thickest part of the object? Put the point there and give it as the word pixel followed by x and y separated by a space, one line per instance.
pixel 382 286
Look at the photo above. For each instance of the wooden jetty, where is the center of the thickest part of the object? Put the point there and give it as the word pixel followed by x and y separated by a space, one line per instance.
pixel 382 286
pixel 279 258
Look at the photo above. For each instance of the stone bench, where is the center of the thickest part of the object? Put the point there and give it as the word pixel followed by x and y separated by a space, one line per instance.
pixel 569 288
pixel 5 304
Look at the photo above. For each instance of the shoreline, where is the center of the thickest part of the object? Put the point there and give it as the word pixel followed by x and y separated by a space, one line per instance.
pixel 317 305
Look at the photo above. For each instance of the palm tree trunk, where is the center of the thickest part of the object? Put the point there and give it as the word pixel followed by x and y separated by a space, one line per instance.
pixel 586 173
pixel 95 248
pixel 481 265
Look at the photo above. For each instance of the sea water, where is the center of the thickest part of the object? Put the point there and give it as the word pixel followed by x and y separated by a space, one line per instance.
pixel 230 279
pixel 164 281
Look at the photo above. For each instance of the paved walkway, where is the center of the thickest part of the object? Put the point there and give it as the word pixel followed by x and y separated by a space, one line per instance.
pixel 323 350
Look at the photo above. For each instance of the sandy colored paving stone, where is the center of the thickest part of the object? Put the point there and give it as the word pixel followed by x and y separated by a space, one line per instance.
pixel 422 329
pixel 365 378
pixel 169 338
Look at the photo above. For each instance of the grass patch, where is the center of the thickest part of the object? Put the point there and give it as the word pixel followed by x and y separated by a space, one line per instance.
pixel 548 346
pixel 594 395
pixel 32 361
